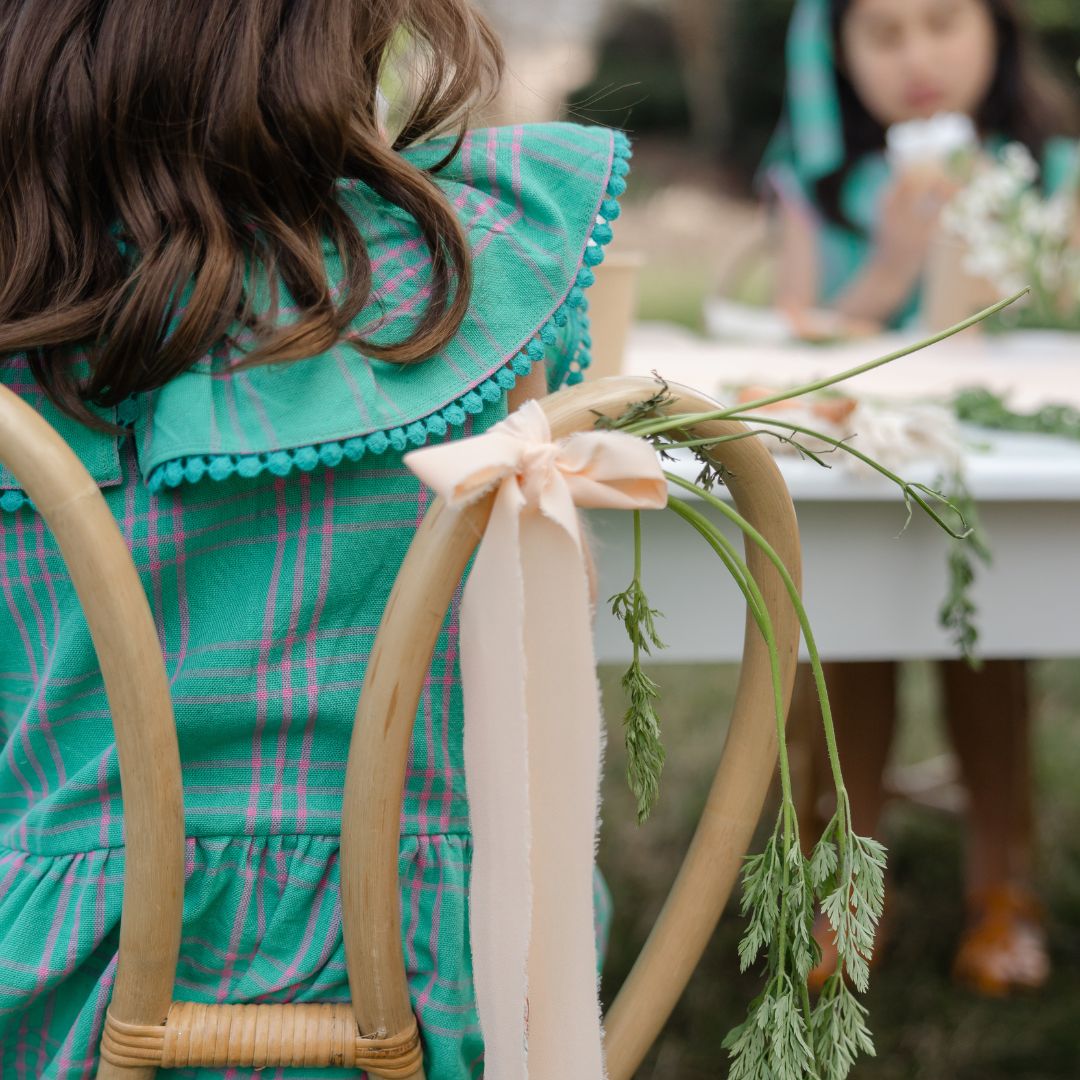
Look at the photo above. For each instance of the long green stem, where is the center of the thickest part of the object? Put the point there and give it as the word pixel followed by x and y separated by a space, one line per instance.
pixel 911 491
pixel 709 441
pixel 656 426
pixel 914 492
pixel 756 603
pixel 636 638
pixel 723 547
pixel 637 546
pixel 811 644
pixel 750 589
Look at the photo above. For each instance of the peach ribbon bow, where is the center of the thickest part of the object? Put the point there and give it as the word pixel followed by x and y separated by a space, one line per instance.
pixel 533 733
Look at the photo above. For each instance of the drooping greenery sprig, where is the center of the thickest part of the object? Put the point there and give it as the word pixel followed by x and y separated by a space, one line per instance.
pixel 644 746
pixel 785 1036
pixel 985 409
pixel 957 612
pixel 844 874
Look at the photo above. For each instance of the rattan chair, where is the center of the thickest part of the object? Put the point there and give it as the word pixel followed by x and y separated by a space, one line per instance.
pixel 146 1029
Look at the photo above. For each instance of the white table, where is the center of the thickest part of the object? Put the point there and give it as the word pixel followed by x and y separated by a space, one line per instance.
pixel 872 592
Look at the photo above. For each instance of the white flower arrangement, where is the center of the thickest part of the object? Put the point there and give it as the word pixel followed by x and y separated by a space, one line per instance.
pixel 1015 237
pixel 939 140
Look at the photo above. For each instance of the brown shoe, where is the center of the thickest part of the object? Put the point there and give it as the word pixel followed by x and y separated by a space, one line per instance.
pixel 1004 946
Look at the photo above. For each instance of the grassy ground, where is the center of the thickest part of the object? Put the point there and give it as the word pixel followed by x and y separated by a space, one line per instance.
pixel 925 1028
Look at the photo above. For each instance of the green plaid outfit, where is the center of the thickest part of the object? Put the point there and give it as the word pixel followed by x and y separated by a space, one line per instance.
pixel 267 512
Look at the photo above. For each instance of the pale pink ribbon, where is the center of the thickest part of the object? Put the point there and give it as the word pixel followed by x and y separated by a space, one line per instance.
pixel 533 733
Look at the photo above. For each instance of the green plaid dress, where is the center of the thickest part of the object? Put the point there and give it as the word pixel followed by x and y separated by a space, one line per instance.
pixel 268 511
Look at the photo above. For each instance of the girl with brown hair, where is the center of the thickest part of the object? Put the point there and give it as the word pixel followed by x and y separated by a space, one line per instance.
pixel 241 305
pixel 857 237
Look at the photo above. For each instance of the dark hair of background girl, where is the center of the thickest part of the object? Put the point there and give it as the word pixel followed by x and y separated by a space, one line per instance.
pixel 209 137
pixel 1023 105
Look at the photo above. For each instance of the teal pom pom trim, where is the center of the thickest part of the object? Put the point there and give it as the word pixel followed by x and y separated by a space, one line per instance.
pixel 473 403
pixel 14 499
pixel 594 255
pixel 248 467
pixel 306 458
pixel 437 425
pixel 522 364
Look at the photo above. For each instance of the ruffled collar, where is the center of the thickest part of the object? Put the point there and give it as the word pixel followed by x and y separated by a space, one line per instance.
pixel 536 202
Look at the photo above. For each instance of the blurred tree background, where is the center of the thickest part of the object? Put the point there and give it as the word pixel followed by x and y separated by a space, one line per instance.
pixel 710 73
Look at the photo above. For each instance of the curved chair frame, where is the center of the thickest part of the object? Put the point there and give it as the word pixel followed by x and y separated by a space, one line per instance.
pixel 146 1029
pixel 399 661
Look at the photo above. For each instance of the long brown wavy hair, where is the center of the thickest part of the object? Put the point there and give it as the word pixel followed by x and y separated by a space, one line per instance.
pixel 150 149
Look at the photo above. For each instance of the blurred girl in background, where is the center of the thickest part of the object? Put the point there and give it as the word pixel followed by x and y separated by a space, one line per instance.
pixel 856 237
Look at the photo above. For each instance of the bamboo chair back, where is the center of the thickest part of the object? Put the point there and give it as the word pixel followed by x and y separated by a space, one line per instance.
pixel 146 1029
